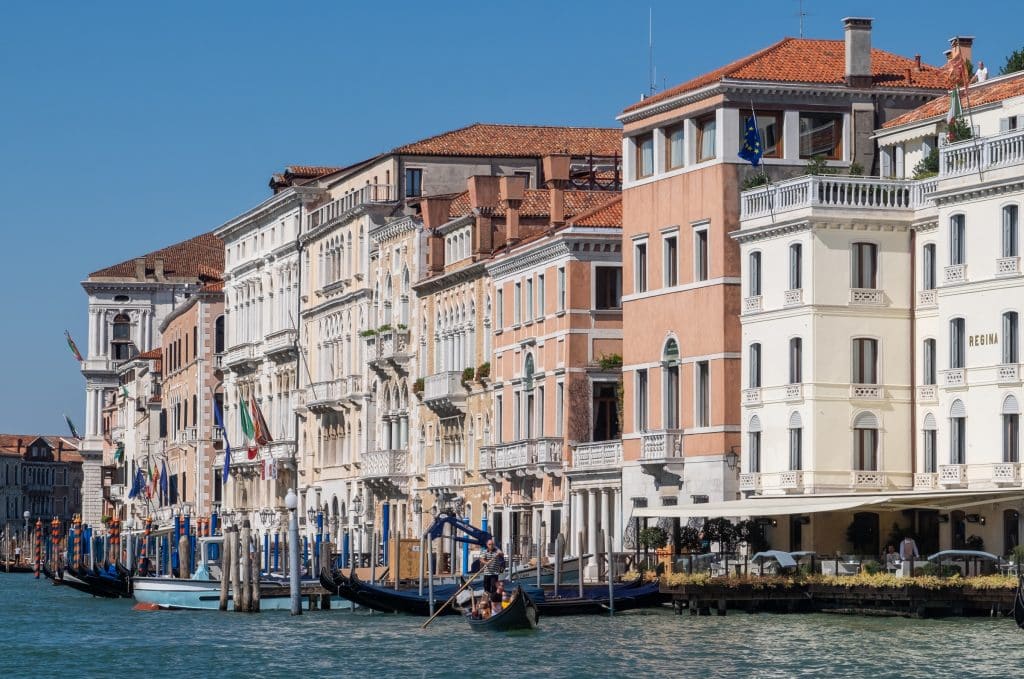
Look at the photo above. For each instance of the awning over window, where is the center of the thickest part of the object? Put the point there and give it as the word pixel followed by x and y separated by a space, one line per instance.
pixel 812 504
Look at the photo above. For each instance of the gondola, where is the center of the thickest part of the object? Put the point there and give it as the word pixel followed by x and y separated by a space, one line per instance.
pixel 1018 603
pixel 111 585
pixel 520 614
pixel 643 596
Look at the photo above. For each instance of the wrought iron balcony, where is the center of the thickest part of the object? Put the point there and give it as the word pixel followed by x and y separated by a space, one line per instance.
pixel 597 455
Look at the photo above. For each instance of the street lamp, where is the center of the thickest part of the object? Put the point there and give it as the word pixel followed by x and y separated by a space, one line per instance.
pixel 267 515
pixel 508 499
pixel 357 513
pixel 291 501
pixel 26 516
pixel 417 509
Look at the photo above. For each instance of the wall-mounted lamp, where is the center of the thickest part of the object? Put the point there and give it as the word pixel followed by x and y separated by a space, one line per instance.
pixel 975 518
pixel 767 521
pixel 732 458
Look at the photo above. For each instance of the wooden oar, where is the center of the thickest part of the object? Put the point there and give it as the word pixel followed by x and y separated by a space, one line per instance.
pixel 459 591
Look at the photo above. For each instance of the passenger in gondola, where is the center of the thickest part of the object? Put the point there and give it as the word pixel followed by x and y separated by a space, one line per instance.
pixel 495 603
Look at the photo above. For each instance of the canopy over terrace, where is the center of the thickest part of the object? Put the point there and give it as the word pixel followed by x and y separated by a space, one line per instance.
pixel 811 504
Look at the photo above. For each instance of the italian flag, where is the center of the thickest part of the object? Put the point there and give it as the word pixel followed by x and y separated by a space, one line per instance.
pixel 955 110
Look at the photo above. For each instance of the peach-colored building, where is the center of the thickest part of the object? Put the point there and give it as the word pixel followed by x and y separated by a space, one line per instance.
pixel 818 99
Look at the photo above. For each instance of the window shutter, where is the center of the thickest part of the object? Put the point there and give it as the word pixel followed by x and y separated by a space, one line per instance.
pixel 886 167
pixel 929 422
pixel 958 409
pixel 866 421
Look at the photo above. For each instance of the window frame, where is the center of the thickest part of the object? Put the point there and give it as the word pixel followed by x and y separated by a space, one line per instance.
pixel 929 267
pixel 1010 345
pixel 754 369
pixel 1010 230
pixel 957 343
pixel 701 264
pixel 796 360
pixel 838 148
pixel 702 124
pixel 640 141
pixel 599 296
pixel 679 128
pixel 779 119
pixel 859 354
pixel 754 274
pixel 702 394
pixel 643 403
pixel 857 265
pixel 640 252
pixel 670 260
pixel 796 266
pixel 929 362
pixel 957 239
pixel 410 173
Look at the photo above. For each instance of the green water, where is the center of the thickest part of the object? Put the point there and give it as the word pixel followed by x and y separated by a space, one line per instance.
pixel 56 632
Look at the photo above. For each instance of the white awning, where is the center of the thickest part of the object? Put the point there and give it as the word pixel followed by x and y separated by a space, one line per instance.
pixel 812 504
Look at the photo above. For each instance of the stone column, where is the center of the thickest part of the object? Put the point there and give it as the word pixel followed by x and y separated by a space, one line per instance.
pixel 617 521
pixel 574 522
pixel 606 518
pixel 506 529
pixel 592 519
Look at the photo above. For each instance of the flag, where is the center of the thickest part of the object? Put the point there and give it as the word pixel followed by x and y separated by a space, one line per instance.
pixel 252 452
pixel 262 429
pixel 71 426
pixel 273 469
pixel 219 418
pixel 751 151
pixel 119 452
pixel 243 413
pixel 73 347
pixel 163 480
pixel 955 109
pixel 154 476
pixel 137 483
pixel 124 391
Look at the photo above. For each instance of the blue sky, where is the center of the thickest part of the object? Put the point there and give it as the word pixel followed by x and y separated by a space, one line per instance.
pixel 126 126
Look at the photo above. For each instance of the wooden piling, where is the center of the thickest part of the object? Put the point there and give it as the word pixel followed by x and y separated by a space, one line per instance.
pixel 244 560
pixel 257 562
pixel 225 571
pixel 325 560
pixel 582 541
pixel 236 572
pixel 184 557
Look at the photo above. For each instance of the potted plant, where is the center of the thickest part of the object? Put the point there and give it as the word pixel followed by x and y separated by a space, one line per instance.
pixel 369 332
pixel 417 387
pixel 467 376
pixel 610 362
pixel 483 371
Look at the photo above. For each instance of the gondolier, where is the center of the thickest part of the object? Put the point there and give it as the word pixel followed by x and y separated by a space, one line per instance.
pixel 494 564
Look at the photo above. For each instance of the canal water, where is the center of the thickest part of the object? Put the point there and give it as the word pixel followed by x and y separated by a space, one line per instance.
pixel 52 631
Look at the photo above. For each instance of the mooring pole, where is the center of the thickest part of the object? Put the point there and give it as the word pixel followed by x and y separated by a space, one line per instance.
pixel 611 574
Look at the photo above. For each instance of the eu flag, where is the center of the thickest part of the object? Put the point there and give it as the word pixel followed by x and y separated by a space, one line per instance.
pixel 751 151
pixel 219 419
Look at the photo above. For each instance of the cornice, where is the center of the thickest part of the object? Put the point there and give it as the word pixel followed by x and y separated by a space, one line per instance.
pixel 393 229
pixel 450 278
pixel 456 223
pixel 770 231
pixel 348 298
pixel 976 191
pixel 91 286
pixel 517 263
pixel 271 208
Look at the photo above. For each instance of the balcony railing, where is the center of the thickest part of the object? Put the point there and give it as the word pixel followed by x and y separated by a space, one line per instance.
pixel 866 297
pixel 791 480
pixel 867 479
pixel 325 394
pixel 1008 373
pixel 240 354
pixel 866 392
pixel 391 345
pixel 794 392
pixel 952 474
pixel 340 208
pixel 750 481
pixel 794 297
pixel 926 298
pixel 927 393
pixel 955 273
pixel 1006 474
pixel 751 305
pixel 445 475
pixel 281 450
pixel 1008 266
pixel 926 481
pixel 980 154
pixel 597 455
pixel 384 464
pixel 280 342
pixel 444 391
pixel 665 445
pixel 117 493
pixel 955 377
pixel 858 193
pixel 752 396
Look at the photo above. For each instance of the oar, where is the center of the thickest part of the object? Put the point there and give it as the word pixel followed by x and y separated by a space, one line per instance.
pixel 459 591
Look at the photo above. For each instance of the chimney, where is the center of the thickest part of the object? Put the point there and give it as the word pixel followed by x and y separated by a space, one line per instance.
pixel 917 61
pixel 962 45
pixel 19 446
pixel 512 190
pixel 556 170
pixel 158 268
pixel 435 252
pixel 60 449
pixel 556 208
pixel 435 212
pixel 483 193
pixel 140 269
pixel 858 51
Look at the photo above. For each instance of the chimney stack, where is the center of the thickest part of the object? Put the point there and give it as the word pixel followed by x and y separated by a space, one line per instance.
pixel 962 45
pixel 556 170
pixel 435 211
pixel 917 61
pixel 19 446
pixel 512 190
pixel 158 268
pixel 483 193
pixel 140 269
pixel 858 51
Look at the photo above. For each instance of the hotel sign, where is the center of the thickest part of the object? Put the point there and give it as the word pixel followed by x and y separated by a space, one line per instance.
pixel 983 340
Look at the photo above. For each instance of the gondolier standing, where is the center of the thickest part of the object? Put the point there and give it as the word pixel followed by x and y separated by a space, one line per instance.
pixel 494 564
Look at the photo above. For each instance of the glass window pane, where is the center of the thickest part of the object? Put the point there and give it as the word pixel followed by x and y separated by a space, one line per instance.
pixel 821 135
pixel 675 147
pixel 707 139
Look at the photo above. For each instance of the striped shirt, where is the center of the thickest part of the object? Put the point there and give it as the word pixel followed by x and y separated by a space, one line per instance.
pixel 494 562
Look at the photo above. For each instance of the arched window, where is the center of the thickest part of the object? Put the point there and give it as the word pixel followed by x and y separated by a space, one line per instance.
pixel 1011 341
pixel 754 444
pixel 865 442
pixel 1011 429
pixel 957 240
pixel 670 371
pixel 930 445
pixel 796 430
pixel 121 347
pixel 528 368
pixel 958 433
pixel 1010 248
pixel 218 336
pixel 754 377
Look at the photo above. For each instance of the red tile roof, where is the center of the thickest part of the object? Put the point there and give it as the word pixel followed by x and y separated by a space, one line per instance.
pixel 803 60
pixel 152 354
pixel 214 286
pixel 9 445
pixel 309 171
pixel 608 215
pixel 987 92
pixel 519 141
pixel 199 257
pixel 537 203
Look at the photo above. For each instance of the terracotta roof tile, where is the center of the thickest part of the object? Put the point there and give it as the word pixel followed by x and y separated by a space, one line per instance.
pixel 151 354
pixel 213 286
pixel 309 171
pixel 520 141
pixel 537 203
pixel 978 94
pixel 199 257
pixel 803 60
pixel 608 215
pixel 9 443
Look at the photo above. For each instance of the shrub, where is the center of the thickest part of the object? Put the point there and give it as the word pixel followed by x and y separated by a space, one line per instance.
pixel 402 326
pixel 856 169
pixel 1017 555
pixel 369 332
pixel 975 542
pixel 819 165
pixel 483 371
pixel 417 386
pixel 384 328
pixel 871 567
pixel 959 130
pixel 927 166
pixel 653 537
pixel 754 180
pixel 467 375
pixel 610 361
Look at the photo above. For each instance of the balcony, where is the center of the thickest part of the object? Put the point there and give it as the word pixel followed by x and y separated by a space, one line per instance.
pixel 750 482
pixel 866 297
pixel 241 356
pixel 927 298
pixel 791 480
pixel 794 392
pixel 664 446
pixel 955 273
pixel 952 474
pixel 752 305
pixel 866 392
pixel 926 481
pixel 597 456
pixel 1006 474
pixel 1008 373
pixel 388 347
pixel 955 378
pixel 280 345
pixel 344 207
pixel 927 393
pixel 752 396
pixel 384 464
pixel 283 450
pixel 793 297
pixel 834 193
pixel 326 395
pixel 116 492
pixel 980 154
pixel 444 392
pixel 867 480
pixel 446 475
pixel 1008 266
pixel 536 456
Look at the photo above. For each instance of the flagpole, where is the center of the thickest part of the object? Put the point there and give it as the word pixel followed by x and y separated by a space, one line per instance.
pixel 764 168
pixel 970 116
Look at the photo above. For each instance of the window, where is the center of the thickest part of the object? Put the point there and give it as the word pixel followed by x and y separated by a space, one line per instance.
pixel 1010 342
pixel 499 433
pixel 700 254
pixel 957 343
pixel 529 299
pixel 754 380
pixel 928 364
pixel 796 443
pixel 864 268
pixel 644 155
pixel 930 445
pixel 865 442
pixel 500 309
pixel 607 287
pixel 640 267
pixel 675 149
pixel 754 444
pixel 703 394
pixel 218 342
pixel 559 405
pixel 865 361
pixel 1010 231
pixel 755 274
pixel 1011 429
pixel 769 126
pixel 957 234
pixel 670 376
pixel 928 267
pixel 413 182
pixel 958 433
pixel 796 360
pixel 641 400
pixel 121 345
pixel 561 288
pixel 540 296
pixel 821 134
pixel 671 263
pixel 796 265
pixel 706 130
pixel 517 304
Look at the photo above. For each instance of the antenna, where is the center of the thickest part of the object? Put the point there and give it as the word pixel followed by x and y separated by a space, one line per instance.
pixel 801 13
pixel 650 50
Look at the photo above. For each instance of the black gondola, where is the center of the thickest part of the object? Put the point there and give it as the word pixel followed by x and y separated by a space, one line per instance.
pixel 107 584
pixel 521 613
pixel 1018 602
